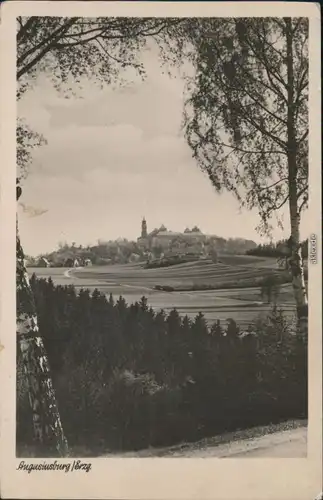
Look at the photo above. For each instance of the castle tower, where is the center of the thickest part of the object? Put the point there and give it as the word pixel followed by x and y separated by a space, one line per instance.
pixel 144 228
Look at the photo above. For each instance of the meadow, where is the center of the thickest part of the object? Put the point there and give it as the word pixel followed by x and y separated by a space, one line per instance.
pixel 227 300
pixel 128 377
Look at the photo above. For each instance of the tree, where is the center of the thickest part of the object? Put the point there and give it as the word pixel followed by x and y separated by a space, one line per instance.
pixel 32 355
pixel 246 119
pixel 270 288
pixel 65 48
pixel 214 255
pixel 26 140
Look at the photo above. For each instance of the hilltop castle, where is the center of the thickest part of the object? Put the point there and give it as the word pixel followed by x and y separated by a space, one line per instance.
pixel 190 241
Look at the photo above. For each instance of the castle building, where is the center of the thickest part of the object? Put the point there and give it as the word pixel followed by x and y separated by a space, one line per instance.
pixel 190 241
pixel 144 228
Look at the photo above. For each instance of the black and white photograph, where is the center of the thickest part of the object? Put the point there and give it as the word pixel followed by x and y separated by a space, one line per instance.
pixel 164 239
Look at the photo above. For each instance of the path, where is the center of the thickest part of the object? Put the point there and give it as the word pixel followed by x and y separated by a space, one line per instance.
pixel 287 443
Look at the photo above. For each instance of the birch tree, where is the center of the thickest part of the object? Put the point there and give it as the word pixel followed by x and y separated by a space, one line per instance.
pixel 64 49
pixel 246 119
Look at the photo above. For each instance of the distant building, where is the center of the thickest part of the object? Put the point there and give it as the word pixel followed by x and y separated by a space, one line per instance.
pixel 71 263
pixel 143 240
pixel 43 262
pixel 190 241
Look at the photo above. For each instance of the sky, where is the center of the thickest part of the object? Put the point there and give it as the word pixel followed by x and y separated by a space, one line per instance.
pixel 114 156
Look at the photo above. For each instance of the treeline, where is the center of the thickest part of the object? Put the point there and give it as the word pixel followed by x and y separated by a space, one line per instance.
pixel 171 260
pixel 103 253
pixel 123 251
pixel 127 377
pixel 280 249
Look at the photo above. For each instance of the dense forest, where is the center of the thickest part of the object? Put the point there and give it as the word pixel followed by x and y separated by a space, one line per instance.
pixel 127 377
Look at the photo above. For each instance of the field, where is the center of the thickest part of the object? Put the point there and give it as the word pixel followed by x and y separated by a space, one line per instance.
pixel 132 282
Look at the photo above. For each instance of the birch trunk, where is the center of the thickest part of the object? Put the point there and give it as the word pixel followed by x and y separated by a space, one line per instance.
pixel 49 439
pixel 295 261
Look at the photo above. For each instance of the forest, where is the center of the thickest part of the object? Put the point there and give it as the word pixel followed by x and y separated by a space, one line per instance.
pixel 127 377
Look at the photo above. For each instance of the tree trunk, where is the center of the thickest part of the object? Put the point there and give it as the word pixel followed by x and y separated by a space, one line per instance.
pixel 295 261
pixel 49 439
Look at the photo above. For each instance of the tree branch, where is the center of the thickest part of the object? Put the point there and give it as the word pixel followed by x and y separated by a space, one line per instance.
pixel 110 56
pixel 60 45
pixel 253 152
pixel 302 191
pixel 275 207
pixel 304 202
pixel 272 185
pixel 266 110
pixel 304 136
pixel 257 126
pixel 41 54
pixel 24 28
pixel 266 65
pixel 261 129
pixel 54 35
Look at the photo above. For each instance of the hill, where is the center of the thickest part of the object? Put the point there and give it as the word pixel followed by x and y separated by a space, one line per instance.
pixel 123 251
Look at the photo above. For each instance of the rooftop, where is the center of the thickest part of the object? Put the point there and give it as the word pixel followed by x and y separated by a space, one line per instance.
pixel 175 233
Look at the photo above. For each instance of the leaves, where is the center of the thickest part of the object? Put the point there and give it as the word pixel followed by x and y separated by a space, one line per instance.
pixel 77 47
pixel 27 140
pixel 68 50
pixel 236 115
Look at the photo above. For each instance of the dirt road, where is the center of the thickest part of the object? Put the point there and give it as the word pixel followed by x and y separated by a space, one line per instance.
pixel 286 440
pixel 286 444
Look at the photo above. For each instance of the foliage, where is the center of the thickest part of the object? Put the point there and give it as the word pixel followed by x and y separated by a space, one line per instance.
pixel 78 47
pixel 122 251
pixel 103 253
pixel 236 115
pixel 235 118
pixel 270 288
pixel 236 283
pixel 169 261
pixel 127 377
pixel 279 249
pixel 68 50
pixel 26 140
pixel 214 256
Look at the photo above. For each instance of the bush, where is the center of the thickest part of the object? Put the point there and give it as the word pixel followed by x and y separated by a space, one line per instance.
pixel 128 378
pixel 167 262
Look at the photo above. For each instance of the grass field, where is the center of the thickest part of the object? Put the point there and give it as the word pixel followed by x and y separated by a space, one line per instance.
pixel 132 282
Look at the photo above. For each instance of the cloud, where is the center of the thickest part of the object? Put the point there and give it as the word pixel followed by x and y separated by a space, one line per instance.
pixel 76 150
pixel 32 211
pixel 140 105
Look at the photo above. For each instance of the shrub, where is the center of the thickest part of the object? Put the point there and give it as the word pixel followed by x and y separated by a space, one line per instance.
pixel 166 262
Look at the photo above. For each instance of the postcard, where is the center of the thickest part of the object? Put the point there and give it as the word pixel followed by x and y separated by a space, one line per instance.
pixel 161 274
